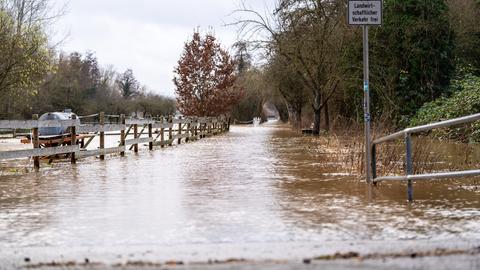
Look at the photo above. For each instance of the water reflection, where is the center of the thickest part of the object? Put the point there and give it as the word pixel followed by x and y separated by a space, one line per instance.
pixel 253 185
pixel 316 196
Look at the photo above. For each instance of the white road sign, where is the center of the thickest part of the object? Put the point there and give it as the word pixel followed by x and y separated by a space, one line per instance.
pixel 365 12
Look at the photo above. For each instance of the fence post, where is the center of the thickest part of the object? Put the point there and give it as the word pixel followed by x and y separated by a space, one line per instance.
pixel 189 131
pixel 228 125
pixel 73 139
pixel 220 124
pixel 179 133
pixel 162 132
pixel 170 130
pixel 209 126
pixel 102 134
pixel 135 136
pixel 195 129
pixel 409 166
pixel 374 161
pixel 150 135
pixel 212 127
pixel 122 134
pixel 205 128
pixel 36 144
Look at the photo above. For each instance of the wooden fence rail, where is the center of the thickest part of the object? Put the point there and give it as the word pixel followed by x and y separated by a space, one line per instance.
pixel 132 132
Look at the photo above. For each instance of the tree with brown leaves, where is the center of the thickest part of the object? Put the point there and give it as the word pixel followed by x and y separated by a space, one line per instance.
pixel 205 79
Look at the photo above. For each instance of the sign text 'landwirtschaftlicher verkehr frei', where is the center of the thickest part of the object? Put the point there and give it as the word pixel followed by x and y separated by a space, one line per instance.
pixel 365 12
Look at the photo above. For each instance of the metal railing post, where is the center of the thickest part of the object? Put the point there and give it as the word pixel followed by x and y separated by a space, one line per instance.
pixel 410 176
pixel 409 165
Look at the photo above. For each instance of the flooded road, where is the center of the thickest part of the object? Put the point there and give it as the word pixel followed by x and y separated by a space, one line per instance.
pixel 261 193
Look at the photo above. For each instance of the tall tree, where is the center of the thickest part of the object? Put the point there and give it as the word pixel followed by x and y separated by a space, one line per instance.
pixel 25 56
pixel 287 82
pixel 79 83
pixel 412 54
pixel 76 84
pixel 242 57
pixel 129 86
pixel 464 18
pixel 205 78
pixel 310 35
pixel 251 104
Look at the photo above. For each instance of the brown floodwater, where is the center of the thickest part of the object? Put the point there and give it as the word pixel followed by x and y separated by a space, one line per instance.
pixel 260 192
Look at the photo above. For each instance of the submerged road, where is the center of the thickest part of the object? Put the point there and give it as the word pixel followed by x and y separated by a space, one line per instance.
pixel 264 195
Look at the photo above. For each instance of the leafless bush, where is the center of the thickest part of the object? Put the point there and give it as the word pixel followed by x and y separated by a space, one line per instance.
pixel 429 155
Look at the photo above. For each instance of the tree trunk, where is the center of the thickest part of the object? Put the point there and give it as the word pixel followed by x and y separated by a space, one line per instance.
pixel 291 116
pixel 9 108
pixel 317 109
pixel 316 121
pixel 298 116
pixel 327 117
pixel 295 115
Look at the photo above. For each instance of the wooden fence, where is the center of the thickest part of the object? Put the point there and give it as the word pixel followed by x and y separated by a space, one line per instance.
pixel 132 133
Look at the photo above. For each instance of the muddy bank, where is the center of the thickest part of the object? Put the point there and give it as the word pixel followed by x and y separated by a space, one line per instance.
pixel 439 260
pixel 254 256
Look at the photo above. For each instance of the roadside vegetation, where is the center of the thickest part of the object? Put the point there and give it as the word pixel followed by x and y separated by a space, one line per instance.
pixel 36 77
pixel 300 56
pixel 425 53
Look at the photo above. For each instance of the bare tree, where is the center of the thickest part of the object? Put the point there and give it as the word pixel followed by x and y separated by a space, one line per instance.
pixel 310 35
pixel 288 84
pixel 32 13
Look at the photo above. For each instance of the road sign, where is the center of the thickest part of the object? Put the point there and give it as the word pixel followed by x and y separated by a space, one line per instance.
pixel 365 12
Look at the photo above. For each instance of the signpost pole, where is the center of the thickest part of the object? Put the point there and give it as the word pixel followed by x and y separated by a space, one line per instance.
pixel 365 13
pixel 366 105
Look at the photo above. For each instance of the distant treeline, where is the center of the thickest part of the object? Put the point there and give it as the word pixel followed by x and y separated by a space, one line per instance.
pixel 36 78
pixel 425 53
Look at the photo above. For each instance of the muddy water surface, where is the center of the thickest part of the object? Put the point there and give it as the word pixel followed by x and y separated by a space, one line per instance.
pixel 260 192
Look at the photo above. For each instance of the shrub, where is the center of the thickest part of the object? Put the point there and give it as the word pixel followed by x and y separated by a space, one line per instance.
pixel 464 101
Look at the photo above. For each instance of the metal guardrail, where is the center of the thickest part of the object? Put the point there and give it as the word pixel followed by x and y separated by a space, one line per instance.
pixel 407 135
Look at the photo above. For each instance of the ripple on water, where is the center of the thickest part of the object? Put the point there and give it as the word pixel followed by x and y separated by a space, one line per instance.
pixel 253 185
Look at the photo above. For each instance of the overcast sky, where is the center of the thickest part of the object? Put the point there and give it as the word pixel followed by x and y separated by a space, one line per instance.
pixel 145 35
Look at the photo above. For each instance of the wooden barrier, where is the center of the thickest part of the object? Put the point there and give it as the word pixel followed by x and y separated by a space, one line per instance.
pixel 177 130
pixel 36 144
pixel 122 135
pixel 102 134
